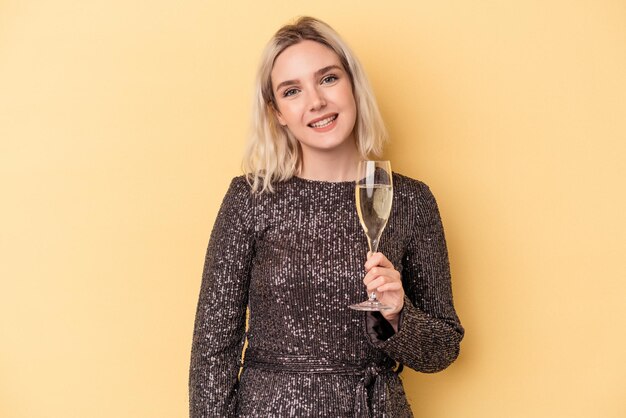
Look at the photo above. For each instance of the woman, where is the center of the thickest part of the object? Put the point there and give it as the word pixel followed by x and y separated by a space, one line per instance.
pixel 287 245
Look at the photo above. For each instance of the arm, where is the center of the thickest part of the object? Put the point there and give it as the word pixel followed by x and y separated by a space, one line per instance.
pixel 429 332
pixel 220 317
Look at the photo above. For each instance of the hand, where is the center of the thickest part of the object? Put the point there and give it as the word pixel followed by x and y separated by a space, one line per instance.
pixel 385 280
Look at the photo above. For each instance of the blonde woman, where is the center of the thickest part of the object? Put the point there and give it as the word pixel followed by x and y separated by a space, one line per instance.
pixel 287 245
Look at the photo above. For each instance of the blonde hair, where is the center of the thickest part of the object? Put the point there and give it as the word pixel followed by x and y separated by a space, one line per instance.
pixel 273 153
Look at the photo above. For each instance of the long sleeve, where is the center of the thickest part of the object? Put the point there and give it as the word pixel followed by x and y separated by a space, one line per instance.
pixel 429 332
pixel 220 317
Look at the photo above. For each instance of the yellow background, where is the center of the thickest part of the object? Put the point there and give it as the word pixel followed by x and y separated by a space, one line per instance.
pixel 122 122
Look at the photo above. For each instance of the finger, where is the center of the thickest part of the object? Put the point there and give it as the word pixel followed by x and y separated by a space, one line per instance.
pixel 380 283
pixel 377 259
pixel 379 271
pixel 389 286
pixel 375 284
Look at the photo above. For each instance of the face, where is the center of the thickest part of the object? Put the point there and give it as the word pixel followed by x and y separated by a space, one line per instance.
pixel 313 96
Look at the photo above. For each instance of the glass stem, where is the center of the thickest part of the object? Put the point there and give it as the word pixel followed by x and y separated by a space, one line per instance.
pixel 373 244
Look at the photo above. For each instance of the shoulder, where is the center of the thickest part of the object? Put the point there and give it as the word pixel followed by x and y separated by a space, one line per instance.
pixel 414 195
pixel 237 204
pixel 239 183
pixel 405 185
pixel 239 188
pixel 238 196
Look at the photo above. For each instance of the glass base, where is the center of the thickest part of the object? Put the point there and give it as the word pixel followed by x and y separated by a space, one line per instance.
pixel 370 305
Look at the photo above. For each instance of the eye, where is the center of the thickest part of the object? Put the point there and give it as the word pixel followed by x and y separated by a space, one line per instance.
pixel 290 92
pixel 331 78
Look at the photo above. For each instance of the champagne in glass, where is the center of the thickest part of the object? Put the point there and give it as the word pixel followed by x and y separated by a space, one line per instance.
pixel 374 195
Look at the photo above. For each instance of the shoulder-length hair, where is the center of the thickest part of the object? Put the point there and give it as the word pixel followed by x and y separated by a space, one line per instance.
pixel 273 153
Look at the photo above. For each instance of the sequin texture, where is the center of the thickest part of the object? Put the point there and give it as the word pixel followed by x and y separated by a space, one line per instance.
pixel 295 258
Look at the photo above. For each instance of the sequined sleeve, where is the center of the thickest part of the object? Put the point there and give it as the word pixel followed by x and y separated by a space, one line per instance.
pixel 429 334
pixel 220 317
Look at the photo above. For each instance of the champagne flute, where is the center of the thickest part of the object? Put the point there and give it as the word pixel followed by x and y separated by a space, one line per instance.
pixel 374 194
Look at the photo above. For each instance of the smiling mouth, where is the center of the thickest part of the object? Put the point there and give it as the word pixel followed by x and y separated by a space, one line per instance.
pixel 324 122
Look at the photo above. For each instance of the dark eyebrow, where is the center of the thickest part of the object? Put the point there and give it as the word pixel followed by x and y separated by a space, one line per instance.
pixel 317 74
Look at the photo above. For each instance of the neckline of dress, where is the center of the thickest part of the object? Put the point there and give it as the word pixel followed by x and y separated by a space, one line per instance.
pixel 323 182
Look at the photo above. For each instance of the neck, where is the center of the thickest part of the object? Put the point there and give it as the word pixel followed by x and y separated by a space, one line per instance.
pixel 330 166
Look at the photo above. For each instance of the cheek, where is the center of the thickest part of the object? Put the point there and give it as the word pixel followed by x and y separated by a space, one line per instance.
pixel 350 101
pixel 289 114
pixel 352 106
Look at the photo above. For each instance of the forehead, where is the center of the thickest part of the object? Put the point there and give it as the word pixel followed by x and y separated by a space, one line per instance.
pixel 303 59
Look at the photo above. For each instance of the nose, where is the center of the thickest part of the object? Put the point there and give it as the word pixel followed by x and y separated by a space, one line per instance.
pixel 317 99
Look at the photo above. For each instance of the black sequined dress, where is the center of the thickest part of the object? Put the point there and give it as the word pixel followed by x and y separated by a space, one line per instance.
pixel 295 258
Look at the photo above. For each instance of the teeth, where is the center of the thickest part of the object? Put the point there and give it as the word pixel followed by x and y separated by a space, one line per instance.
pixel 324 122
